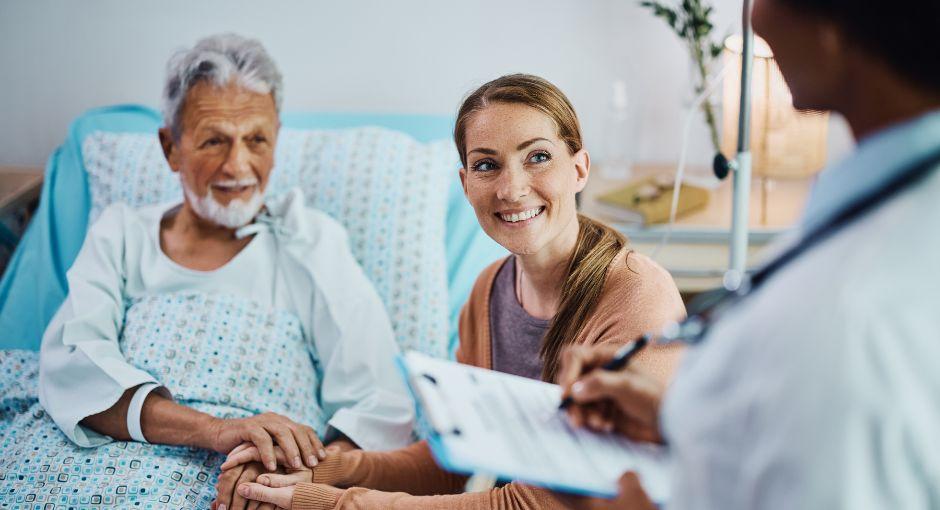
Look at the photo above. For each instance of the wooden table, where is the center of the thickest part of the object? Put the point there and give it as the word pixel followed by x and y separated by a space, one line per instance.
pixel 19 190
pixel 697 253
pixel 18 187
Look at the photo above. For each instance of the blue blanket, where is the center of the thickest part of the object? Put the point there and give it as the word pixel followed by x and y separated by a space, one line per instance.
pixel 222 355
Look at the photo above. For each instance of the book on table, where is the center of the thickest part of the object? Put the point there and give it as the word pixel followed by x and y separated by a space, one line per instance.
pixel 648 201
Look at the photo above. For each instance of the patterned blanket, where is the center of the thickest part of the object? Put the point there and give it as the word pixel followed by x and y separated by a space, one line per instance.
pixel 223 355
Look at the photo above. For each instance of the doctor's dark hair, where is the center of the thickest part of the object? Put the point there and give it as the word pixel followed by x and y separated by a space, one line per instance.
pixel 597 245
pixel 902 34
pixel 218 59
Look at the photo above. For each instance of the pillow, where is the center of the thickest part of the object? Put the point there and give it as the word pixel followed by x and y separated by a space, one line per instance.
pixel 389 191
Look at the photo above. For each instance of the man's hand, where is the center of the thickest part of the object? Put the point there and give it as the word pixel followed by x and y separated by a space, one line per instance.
pixel 299 443
pixel 626 401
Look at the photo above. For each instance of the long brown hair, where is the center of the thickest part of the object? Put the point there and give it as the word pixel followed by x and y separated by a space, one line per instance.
pixel 597 244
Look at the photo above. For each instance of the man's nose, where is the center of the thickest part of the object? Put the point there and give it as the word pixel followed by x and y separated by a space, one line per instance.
pixel 513 184
pixel 238 162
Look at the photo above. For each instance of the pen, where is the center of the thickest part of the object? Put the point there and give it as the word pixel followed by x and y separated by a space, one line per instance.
pixel 620 360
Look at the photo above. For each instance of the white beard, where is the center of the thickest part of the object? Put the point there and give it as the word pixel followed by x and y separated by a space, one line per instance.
pixel 236 214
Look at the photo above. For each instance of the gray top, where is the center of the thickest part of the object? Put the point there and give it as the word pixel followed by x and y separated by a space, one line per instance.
pixel 516 335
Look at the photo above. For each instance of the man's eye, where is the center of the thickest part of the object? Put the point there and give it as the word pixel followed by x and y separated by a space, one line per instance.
pixel 212 142
pixel 540 157
pixel 258 139
pixel 484 166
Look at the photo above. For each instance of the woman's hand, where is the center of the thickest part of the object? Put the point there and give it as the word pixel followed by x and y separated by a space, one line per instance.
pixel 226 496
pixel 236 473
pixel 299 443
pixel 248 453
pixel 626 401
pixel 630 497
pixel 280 497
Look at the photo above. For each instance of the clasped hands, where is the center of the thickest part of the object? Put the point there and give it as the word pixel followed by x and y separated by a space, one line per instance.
pixel 270 446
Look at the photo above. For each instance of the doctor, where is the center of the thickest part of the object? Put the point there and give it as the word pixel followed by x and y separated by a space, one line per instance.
pixel 820 389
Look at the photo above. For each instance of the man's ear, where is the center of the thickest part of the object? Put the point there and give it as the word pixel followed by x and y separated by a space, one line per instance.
pixel 582 165
pixel 463 181
pixel 831 41
pixel 170 148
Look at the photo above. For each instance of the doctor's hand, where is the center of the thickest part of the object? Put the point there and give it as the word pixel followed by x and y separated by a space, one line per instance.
pixel 626 401
pixel 299 443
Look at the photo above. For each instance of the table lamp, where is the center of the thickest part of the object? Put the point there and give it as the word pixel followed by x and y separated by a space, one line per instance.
pixel 785 143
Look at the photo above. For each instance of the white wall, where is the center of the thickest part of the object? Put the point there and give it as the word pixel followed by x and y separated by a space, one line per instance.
pixel 58 58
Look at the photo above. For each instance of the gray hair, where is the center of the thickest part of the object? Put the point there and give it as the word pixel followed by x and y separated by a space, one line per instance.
pixel 218 59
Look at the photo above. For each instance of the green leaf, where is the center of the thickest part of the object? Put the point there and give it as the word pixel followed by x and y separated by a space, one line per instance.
pixel 716 50
pixel 702 30
pixel 672 18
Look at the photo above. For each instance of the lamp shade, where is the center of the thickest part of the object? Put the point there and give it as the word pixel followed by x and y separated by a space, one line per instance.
pixel 785 142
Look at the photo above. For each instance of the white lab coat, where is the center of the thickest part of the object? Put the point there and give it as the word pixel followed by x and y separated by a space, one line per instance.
pixel 822 390
pixel 298 261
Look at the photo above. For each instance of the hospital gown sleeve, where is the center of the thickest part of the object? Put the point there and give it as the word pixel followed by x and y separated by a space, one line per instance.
pixel 361 389
pixel 81 368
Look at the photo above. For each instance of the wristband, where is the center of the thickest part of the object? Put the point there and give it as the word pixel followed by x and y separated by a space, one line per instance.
pixel 134 410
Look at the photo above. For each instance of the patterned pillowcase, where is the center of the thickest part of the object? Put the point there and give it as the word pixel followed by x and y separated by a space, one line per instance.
pixel 387 189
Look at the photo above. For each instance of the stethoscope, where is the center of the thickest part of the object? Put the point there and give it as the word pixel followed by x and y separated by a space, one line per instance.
pixel 707 308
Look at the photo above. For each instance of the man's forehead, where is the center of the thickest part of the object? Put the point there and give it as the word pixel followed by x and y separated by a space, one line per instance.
pixel 209 105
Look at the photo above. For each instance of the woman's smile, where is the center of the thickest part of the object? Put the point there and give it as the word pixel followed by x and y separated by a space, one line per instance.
pixel 520 217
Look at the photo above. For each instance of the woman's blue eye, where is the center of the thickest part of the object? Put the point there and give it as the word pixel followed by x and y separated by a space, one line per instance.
pixel 540 157
pixel 484 166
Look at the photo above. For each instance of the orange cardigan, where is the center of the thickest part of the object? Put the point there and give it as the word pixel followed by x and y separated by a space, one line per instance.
pixel 638 296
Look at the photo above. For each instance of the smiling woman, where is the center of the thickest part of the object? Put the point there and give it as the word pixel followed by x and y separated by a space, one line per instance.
pixel 569 280
pixel 524 196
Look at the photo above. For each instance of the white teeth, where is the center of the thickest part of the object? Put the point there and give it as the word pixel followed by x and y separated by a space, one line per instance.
pixel 235 184
pixel 524 215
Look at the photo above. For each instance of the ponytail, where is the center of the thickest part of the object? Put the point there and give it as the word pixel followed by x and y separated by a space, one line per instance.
pixel 596 248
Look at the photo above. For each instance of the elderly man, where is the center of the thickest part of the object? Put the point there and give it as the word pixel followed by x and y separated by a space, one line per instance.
pixel 251 320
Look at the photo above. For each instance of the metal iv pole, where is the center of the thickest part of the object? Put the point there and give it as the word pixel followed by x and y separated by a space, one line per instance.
pixel 742 163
